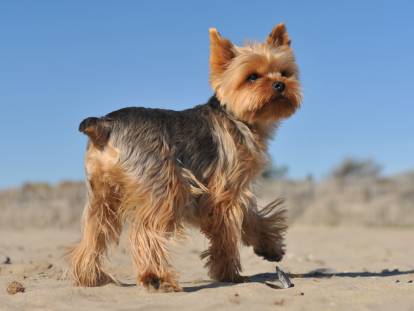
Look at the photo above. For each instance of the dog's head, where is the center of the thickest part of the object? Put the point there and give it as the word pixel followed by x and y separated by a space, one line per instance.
pixel 258 83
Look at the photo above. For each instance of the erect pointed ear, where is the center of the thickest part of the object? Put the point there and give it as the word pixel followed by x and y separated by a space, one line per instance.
pixel 221 52
pixel 278 36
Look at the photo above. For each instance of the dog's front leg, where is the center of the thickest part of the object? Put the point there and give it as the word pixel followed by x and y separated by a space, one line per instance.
pixel 222 226
pixel 265 229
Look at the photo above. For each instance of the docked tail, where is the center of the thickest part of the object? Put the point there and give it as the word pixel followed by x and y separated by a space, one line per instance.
pixel 97 129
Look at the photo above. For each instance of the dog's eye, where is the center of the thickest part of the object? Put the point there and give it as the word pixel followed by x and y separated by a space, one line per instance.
pixel 286 73
pixel 253 77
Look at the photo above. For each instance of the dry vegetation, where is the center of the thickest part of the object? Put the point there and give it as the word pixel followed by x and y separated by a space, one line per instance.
pixel 354 193
pixel 364 201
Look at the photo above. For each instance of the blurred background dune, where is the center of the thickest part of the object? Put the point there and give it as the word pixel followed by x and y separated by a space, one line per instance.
pixel 354 193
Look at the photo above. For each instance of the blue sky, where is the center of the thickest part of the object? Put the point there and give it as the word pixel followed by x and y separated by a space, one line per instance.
pixel 61 61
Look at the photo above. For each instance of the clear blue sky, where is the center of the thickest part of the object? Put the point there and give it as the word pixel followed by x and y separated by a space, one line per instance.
pixel 61 61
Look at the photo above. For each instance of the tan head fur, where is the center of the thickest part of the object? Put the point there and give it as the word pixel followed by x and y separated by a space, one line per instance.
pixel 258 83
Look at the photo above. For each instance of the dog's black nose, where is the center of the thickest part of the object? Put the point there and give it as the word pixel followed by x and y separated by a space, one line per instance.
pixel 279 86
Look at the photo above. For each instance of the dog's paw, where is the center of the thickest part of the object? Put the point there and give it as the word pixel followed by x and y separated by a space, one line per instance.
pixel 236 278
pixel 170 287
pixel 271 254
pixel 160 284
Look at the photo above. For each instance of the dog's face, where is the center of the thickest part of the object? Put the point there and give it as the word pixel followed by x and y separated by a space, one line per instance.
pixel 258 83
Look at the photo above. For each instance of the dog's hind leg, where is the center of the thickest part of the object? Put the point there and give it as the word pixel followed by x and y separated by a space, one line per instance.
pixel 101 219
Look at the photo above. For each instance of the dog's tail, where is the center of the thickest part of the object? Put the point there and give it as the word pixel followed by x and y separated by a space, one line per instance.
pixel 97 129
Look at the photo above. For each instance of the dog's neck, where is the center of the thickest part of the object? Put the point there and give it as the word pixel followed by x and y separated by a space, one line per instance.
pixel 262 131
pixel 239 144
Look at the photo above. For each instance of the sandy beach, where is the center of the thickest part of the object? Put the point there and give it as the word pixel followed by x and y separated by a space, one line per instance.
pixel 333 268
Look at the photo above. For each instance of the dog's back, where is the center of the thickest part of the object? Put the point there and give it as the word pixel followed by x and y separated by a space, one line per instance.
pixel 143 132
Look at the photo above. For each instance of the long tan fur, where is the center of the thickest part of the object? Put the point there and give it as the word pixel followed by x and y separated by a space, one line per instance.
pixel 159 169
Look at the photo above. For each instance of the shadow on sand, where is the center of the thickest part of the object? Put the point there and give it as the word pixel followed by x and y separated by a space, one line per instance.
pixel 265 278
pixel 326 273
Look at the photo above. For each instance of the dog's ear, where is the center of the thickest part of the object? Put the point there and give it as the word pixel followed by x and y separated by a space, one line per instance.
pixel 221 52
pixel 278 36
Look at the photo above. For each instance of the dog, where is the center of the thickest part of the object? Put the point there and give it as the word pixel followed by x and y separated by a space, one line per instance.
pixel 158 170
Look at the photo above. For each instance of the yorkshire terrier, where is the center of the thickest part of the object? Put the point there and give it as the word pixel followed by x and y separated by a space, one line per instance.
pixel 158 169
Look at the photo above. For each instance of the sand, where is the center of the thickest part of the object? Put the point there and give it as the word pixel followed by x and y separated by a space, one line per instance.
pixel 359 269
